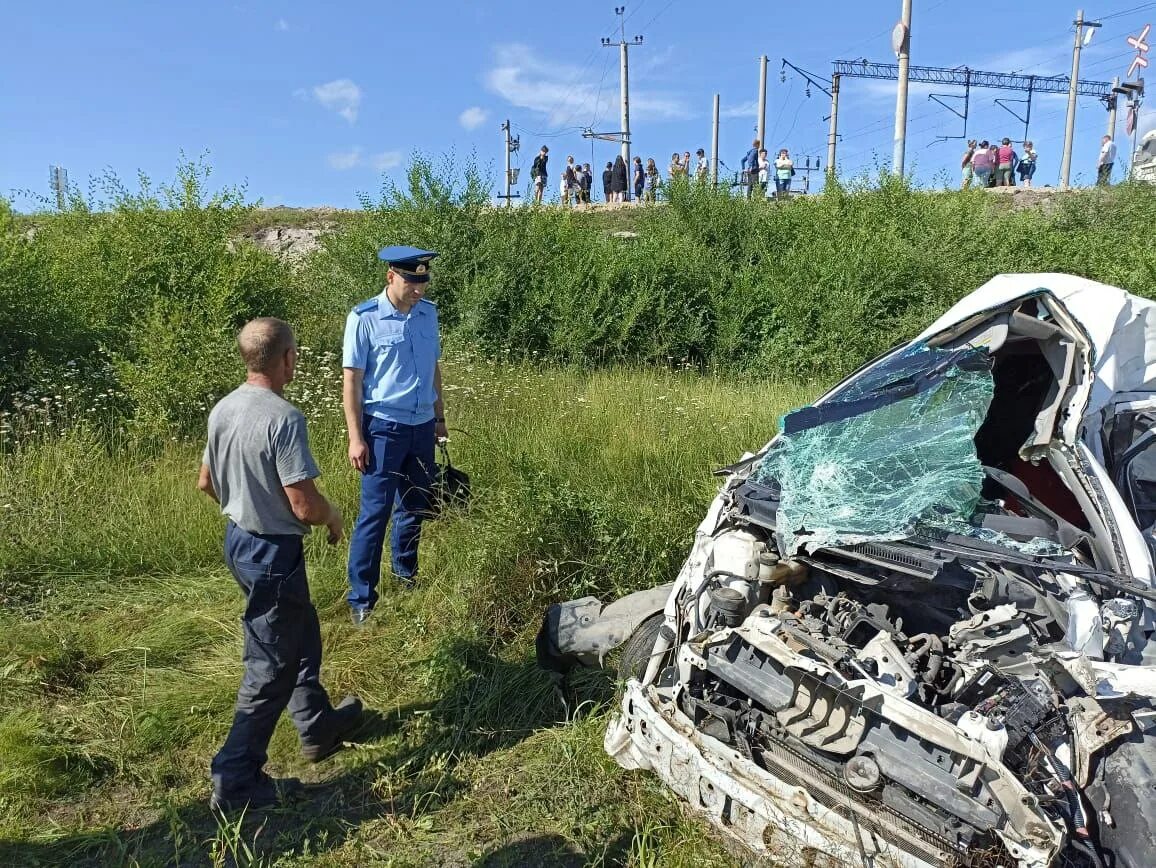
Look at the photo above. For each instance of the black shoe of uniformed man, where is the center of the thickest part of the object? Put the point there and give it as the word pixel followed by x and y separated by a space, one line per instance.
pixel 341 722
pixel 267 792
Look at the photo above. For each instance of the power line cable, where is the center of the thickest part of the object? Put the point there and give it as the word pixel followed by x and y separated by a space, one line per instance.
pixel 657 15
pixel 1141 8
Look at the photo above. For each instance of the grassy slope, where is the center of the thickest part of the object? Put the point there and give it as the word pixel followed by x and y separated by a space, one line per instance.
pixel 119 643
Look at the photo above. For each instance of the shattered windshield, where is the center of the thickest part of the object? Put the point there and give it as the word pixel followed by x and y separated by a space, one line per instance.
pixel 893 448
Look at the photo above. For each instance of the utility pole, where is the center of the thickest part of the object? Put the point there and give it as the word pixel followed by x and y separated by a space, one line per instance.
pixel 512 145
pixel 1073 87
pixel 58 180
pixel 714 146
pixel 1112 108
pixel 833 133
pixel 624 59
pixel 901 42
pixel 761 129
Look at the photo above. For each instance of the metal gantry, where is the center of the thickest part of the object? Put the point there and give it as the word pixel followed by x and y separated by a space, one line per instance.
pixel 962 76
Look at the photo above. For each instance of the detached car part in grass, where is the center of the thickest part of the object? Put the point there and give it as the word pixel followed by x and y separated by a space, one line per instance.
pixel 916 628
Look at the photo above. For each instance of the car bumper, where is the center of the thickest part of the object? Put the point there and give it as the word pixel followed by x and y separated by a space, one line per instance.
pixel 770 813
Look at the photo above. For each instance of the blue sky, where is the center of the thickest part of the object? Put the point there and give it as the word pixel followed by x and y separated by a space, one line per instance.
pixel 309 103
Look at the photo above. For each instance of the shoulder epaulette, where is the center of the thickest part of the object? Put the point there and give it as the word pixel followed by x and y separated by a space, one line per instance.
pixel 430 303
pixel 366 306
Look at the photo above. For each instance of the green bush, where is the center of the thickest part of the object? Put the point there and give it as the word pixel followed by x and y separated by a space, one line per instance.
pixel 159 279
pixel 154 278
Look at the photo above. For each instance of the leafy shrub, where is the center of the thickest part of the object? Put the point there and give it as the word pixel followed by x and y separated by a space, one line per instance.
pixel 155 278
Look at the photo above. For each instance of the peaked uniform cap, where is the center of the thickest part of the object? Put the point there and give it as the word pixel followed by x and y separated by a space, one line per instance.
pixel 410 262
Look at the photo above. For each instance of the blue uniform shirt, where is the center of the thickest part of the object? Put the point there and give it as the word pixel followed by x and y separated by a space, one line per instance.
pixel 398 353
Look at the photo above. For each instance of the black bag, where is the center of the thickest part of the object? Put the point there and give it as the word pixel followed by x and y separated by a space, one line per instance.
pixel 451 486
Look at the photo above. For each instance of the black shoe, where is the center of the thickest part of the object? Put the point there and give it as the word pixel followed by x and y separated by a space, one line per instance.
pixel 407 582
pixel 267 792
pixel 359 616
pixel 341 722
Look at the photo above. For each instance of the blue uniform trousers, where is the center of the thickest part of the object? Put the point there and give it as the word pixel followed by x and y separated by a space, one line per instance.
pixel 282 655
pixel 398 480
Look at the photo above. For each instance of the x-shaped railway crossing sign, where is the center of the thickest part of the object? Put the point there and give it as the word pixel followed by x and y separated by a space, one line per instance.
pixel 1140 43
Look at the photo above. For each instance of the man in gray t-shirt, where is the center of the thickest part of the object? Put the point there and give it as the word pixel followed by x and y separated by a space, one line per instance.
pixel 258 466
pixel 247 428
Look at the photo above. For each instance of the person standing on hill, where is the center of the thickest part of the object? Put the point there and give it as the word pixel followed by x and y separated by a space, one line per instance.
pixel 568 182
pixel 784 171
pixel 981 164
pixel 608 181
pixel 700 171
pixel 392 396
pixel 618 179
pixel 675 167
pixel 1027 164
pixel 1106 162
pixel 965 164
pixel 764 171
pixel 538 172
pixel 653 180
pixel 1006 160
pixel 257 465
pixel 639 179
pixel 750 168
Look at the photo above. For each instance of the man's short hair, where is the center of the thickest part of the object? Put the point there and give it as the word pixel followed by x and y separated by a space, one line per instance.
pixel 263 341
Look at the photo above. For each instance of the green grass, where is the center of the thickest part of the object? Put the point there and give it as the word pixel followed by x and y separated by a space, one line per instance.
pixel 120 644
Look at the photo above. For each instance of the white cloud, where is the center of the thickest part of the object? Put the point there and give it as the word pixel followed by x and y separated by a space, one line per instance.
pixel 282 25
pixel 885 91
pixel 345 159
pixel 356 158
pixel 473 117
pixel 568 95
pixel 342 96
pixel 385 160
pixel 748 109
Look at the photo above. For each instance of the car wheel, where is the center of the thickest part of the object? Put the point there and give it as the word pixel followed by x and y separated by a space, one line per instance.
pixel 637 649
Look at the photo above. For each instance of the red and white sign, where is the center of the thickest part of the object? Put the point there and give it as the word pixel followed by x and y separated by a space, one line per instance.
pixel 1140 43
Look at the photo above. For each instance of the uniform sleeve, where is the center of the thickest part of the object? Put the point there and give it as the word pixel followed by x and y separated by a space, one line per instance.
pixel 355 345
pixel 294 459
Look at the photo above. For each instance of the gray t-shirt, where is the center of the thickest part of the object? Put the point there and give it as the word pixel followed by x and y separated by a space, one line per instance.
pixel 257 444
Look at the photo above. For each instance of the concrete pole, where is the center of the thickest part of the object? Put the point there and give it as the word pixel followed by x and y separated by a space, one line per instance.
pixel 901 96
pixel 626 114
pixel 762 126
pixel 833 134
pixel 1070 125
pixel 714 146
pixel 506 127
pixel 1112 109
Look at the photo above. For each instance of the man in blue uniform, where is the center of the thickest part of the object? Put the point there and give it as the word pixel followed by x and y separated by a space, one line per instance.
pixel 393 411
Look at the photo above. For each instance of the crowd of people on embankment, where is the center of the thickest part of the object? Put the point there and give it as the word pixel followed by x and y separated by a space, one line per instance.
pixel 645 179
pixel 990 164
pixel 994 163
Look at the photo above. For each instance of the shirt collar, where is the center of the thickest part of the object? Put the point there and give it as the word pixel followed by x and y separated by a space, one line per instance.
pixel 385 308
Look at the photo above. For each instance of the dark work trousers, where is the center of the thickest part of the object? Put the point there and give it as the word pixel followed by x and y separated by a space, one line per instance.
pixel 398 480
pixel 282 654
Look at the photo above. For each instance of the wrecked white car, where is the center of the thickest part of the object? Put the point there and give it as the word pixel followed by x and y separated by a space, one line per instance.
pixel 916 628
